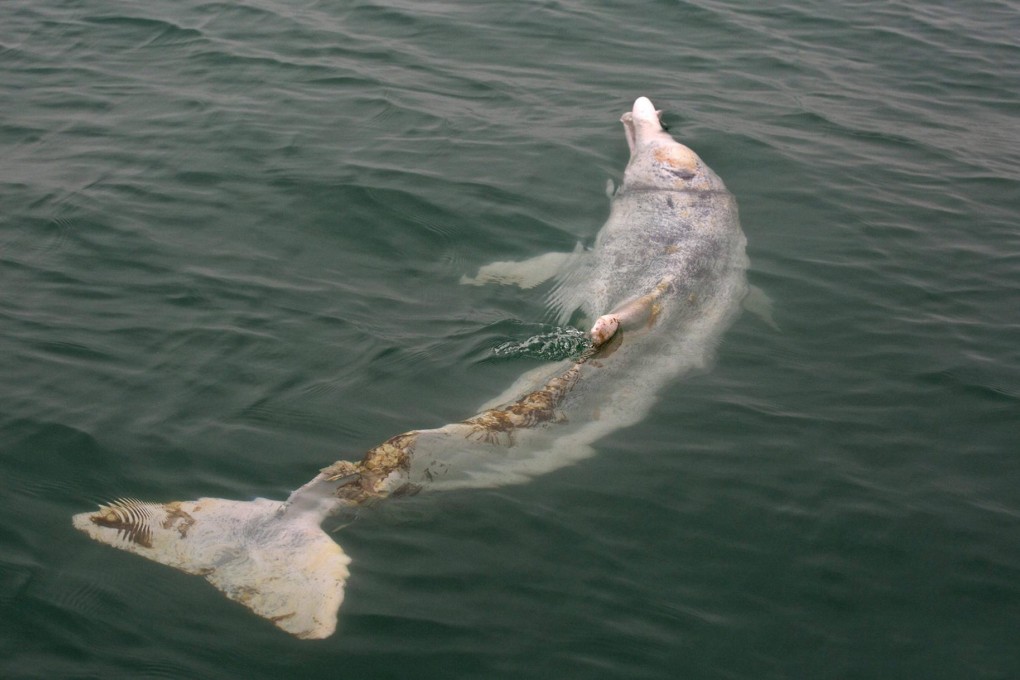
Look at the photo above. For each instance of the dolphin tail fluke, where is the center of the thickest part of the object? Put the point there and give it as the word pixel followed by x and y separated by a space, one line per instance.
pixel 277 562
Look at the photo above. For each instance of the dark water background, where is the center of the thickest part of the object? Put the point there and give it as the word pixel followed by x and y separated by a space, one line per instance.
pixel 230 242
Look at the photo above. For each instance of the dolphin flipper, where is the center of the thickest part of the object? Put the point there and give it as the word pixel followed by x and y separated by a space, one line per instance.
pixel 760 304
pixel 525 273
pixel 572 287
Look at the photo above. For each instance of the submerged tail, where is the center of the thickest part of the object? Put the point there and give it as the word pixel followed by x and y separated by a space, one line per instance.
pixel 274 560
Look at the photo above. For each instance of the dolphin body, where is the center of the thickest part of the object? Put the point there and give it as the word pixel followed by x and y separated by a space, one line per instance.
pixel 663 281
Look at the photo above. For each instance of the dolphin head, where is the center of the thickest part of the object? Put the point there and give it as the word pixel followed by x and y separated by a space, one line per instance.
pixel 657 161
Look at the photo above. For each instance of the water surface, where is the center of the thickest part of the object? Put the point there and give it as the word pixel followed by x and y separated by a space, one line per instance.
pixel 230 247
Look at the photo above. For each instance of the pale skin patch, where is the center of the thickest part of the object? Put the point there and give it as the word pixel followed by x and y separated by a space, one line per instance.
pixel 676 157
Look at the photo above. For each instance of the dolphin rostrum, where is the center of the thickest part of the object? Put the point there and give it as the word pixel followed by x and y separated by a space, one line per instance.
pixel 664 279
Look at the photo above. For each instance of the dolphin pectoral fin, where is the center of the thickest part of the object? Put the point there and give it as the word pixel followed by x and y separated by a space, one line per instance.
pixel 571 289
pixel 760 304
pixel 604 328
pixel 523 273
pixel 634 313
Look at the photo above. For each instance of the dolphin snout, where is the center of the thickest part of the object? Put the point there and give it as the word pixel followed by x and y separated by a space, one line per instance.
pixel 644 110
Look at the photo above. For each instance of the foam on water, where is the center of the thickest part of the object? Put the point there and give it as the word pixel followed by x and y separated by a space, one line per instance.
pixel 554 345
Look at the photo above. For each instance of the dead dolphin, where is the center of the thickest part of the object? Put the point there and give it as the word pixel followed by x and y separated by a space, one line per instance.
pixel 664 279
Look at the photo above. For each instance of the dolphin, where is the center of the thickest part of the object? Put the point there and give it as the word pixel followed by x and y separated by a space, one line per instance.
pixel 664 279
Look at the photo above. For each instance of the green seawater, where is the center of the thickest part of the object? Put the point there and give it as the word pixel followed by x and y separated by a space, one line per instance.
pixel 231 238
